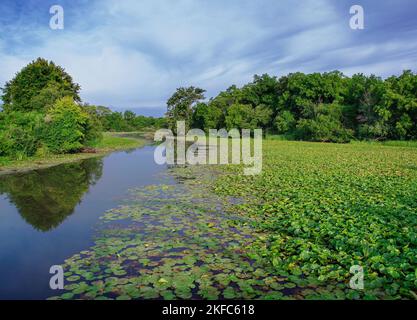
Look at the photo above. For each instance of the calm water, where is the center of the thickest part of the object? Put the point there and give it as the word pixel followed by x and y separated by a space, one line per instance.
pixel 48 215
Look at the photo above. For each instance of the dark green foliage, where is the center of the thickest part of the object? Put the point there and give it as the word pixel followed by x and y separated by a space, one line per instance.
pixel 37 86
pixel 315 107
pixel 285 122
pixel 181 104
pixel 322 129
pixel 240 116
pixel 19 134
pixel 116 122
pixel 123 122
pixel 41 113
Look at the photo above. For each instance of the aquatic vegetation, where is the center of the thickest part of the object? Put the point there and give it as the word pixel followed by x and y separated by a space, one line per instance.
pixel 291 233
pixel 174 241
pixel 329 207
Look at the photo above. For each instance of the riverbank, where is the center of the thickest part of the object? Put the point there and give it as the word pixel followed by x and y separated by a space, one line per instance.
pixel 112 141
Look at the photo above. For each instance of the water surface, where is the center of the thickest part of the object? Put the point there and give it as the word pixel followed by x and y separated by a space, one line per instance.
pixel 48 215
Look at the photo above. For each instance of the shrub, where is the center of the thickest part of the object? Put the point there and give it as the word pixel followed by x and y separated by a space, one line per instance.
pixel 378 131
pixel 66 126
pixel 19 134
pixel 93 131
pixel 285 122
pixel 322 129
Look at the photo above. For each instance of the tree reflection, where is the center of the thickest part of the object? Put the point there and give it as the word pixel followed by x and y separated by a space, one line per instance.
pixel 45 198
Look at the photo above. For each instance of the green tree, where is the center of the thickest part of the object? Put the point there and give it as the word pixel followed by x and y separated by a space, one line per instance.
pixel 181 105
pixel 400 101
pixel 37 86
pixel 325 126
pixel 66 127
pixel 262 115
pixel 240 116
pixel 285 122
pixel 200 115
pixel 129 116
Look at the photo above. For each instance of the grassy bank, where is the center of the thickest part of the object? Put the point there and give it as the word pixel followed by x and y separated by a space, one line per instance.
pixel 110 142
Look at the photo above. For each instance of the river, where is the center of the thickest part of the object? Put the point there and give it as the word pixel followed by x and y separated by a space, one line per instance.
pixel 50 214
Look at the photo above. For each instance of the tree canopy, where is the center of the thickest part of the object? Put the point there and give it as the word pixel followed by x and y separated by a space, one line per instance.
pixel 37 86
pixel 181 105
pixel 328 107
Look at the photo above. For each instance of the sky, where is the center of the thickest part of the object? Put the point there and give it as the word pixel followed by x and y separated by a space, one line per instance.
pixel 133 54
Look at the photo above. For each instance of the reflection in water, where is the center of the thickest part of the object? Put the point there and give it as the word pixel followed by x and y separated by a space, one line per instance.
pixel 45 198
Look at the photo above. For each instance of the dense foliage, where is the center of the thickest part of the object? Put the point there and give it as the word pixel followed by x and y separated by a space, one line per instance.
pixel 42 113
pixel 37 86
pixel 325 208
pixel 127 121
pixel 327 107
pixel 19 133
pixel 65 127
pixel 181 105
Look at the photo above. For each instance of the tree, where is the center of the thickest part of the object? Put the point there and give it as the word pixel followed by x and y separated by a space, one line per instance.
pixel 116 122
pixel 37 86
pixel 66 127
pixel 400 100
pixel 181 104
pixel 200 116
pixel 285 122
pixel 129 116
pixel 240 116
pixel 261 91
pixel 325 126
pixel 262 116
pixel 319 106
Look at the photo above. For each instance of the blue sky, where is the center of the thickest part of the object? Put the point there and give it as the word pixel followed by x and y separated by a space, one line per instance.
pixel 134 53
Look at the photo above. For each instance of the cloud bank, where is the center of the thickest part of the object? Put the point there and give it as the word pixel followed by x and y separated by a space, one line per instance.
pixel 133 54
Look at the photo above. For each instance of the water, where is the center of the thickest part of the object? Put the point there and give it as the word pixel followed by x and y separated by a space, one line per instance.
pixel 48 215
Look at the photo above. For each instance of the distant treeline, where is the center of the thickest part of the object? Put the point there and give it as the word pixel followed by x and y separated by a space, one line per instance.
pixel 124 121
pixel 327 107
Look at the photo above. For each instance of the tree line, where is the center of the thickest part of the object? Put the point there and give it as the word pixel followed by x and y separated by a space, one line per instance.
pixel 324 107
pixel 126 121
pixel 42 113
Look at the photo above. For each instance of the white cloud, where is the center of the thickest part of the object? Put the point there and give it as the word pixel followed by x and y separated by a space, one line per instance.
pixel 132 53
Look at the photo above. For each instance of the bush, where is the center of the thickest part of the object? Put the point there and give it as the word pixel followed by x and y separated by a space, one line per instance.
pixel 285 122
pixel 376 131
pixel 322 129
pixel 19 134
pixel 66 127
pixel 93 131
